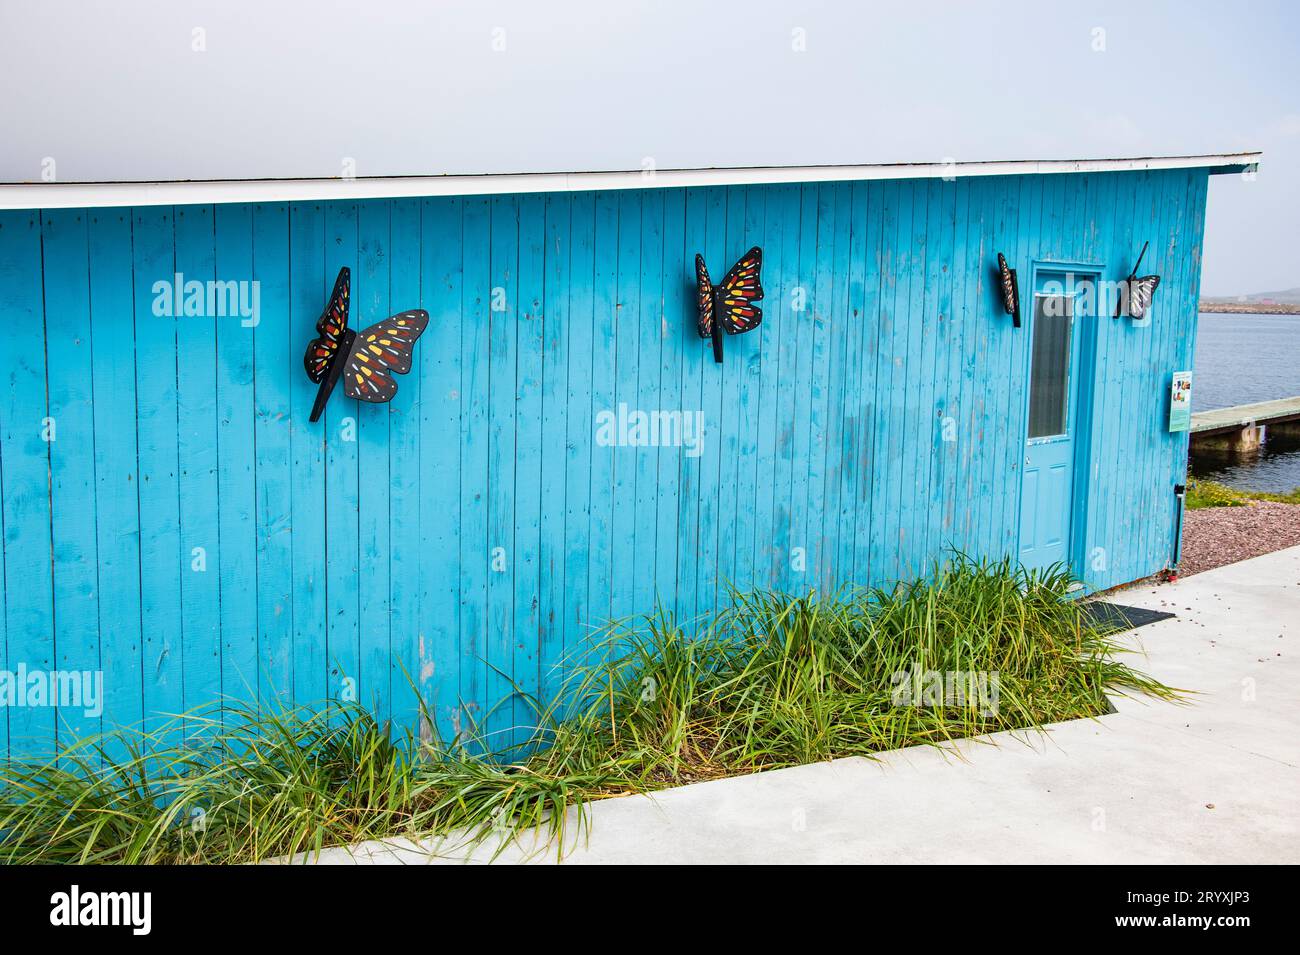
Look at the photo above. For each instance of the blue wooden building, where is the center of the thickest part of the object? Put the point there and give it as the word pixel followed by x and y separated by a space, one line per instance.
pixel 565 450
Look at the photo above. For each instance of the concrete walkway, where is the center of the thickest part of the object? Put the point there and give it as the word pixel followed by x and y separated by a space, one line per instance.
pixel 1213 781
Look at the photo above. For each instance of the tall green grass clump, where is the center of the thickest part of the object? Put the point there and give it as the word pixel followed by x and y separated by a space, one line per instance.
pixel 239 785
pixel 770 681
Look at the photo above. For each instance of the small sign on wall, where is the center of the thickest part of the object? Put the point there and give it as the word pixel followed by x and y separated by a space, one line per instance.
pixel 1180 402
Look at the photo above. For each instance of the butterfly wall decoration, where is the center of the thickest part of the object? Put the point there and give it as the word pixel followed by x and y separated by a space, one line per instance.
pixel 365 360
pixel 729 307
pixel 1010 290
pixel 1135 293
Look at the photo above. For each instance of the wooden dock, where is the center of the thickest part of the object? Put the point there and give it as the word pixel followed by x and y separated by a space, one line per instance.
pixel 1241 427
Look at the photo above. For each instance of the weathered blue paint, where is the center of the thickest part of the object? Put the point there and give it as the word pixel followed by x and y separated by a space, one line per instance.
pixel 190 534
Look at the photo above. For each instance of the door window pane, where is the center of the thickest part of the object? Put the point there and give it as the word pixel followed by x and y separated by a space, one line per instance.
pixel 1049 376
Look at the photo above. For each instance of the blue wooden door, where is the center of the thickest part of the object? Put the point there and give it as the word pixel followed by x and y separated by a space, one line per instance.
pixel 1053 424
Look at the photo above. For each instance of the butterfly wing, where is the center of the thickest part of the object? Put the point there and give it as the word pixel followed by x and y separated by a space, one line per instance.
pixel 704 298
pixel 1008 285
pixel 739 291
pixel 380 351
pixel 1140 293
pixel 330 328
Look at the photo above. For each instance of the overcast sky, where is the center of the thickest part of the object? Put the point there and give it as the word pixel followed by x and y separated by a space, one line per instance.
pixel 176 89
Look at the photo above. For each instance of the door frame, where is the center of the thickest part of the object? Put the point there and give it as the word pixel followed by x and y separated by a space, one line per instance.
pixel 1083 391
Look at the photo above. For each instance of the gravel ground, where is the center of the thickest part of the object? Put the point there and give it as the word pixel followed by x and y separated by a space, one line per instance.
pixel 1214 536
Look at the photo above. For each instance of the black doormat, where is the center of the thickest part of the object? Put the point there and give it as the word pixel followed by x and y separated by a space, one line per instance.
pixel 1123 617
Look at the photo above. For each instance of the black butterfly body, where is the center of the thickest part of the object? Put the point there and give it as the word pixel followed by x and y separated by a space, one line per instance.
pixel 365 360
pixel 1010 290
pixel 729 307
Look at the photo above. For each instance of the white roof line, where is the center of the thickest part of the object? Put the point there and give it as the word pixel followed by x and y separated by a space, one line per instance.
pixel 65 195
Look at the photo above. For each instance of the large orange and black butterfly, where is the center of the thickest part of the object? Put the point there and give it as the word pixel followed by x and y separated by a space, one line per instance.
pixel 365 360
pixel 729 307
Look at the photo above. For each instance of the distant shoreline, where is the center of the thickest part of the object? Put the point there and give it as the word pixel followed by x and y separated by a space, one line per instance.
pixel 1250 308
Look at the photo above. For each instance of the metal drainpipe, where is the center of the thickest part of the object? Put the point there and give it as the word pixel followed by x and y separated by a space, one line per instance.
pixel 1180 494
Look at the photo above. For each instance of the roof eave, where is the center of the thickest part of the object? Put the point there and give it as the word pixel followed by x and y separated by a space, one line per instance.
pixel 1235 168
pixel 65 195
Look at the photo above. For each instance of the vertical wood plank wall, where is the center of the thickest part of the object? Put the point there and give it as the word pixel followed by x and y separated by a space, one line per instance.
pixel 475 525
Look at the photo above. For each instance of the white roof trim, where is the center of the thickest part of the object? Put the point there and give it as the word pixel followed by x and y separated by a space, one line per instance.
pixel 65 195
